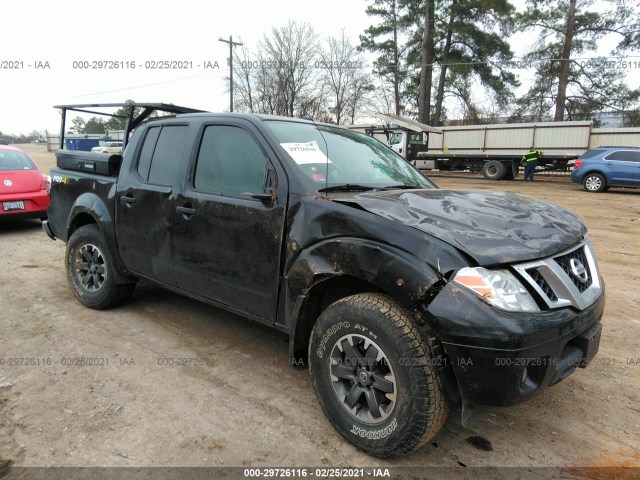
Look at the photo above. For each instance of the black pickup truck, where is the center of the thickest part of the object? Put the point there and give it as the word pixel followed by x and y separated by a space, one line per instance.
pixel 404 299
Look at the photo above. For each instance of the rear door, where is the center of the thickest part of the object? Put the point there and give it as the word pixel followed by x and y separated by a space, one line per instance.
pixel 145 202
pixel 228 236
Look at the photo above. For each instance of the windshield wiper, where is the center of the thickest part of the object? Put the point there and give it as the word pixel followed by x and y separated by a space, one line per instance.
pixel 346 187
pixel 403 187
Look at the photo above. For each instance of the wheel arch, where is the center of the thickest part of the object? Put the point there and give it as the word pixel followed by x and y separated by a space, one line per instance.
pixel 89 209
pixel 592 171
pixel 337 269
pixel 308 308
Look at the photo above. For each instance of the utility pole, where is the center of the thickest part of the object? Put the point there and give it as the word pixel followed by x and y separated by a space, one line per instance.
pixel 230 62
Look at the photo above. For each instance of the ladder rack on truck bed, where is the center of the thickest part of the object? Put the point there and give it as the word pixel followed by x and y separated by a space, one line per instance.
pixel 132 119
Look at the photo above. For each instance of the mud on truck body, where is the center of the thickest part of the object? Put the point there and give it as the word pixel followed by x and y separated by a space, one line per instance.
pixel 402 298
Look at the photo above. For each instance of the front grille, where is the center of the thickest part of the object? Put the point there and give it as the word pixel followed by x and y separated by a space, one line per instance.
pixel 579 259
pixel 543 284
pixel 569 279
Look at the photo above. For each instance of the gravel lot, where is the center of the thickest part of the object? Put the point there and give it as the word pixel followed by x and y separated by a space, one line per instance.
pixel 239 403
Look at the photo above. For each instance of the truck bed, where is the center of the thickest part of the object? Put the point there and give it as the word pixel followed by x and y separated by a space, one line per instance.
pixel 76 174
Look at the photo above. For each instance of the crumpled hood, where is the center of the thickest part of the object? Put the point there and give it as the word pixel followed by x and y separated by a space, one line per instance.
pixel 491 227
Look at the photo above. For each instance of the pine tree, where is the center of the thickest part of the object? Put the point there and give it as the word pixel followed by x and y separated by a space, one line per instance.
pixel 569 80
pixel 462 44
pixel 385 39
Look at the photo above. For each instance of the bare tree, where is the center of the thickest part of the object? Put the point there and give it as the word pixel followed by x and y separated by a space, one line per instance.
pixel 290 52
pixel 384 99
pixel 342 65
pixel 290 74
pixel 359 97
pixel 242 80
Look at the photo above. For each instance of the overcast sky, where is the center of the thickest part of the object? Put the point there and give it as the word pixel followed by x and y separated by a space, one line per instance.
pixel 63 32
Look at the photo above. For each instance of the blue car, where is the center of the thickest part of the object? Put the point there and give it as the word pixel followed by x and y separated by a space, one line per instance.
pixel 603 167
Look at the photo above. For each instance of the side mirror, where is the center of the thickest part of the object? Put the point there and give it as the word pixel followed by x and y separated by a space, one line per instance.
pixel 269 194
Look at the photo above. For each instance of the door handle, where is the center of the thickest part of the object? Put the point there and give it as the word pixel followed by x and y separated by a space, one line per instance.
pixel 186 212
pixel 128 201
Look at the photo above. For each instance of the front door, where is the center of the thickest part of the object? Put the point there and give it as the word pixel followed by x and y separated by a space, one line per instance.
pixel 228 237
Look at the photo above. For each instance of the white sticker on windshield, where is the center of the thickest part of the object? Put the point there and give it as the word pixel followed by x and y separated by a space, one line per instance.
pixel 305 153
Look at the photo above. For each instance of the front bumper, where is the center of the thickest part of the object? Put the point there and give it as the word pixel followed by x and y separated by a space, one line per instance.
pixel 503 358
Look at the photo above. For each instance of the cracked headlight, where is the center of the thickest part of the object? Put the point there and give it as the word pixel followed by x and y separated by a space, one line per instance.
pixel 498 287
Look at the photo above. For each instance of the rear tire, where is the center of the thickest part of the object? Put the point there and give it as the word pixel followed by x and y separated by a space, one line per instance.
pixel 594 183
pixel 374 377
pixel 493 170
pixel 90 270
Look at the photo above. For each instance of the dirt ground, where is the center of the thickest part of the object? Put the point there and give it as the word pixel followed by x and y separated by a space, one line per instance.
pixel 239 403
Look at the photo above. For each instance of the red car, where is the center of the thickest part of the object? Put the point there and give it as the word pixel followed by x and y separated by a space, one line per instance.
pixel 24 191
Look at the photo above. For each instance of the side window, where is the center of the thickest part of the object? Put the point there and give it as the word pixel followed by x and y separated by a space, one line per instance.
pixel 591 153
pixel 229 161
pixel 167 155
pixel 395 138
pixel 149 145
pixel 161 154
pixel 624 156
pixel 415 138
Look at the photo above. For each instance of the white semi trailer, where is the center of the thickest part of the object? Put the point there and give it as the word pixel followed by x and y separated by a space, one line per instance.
pixel 495 150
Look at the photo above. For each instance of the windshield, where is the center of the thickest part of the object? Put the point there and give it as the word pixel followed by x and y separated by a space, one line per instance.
pixel 12 160
pixel 352 159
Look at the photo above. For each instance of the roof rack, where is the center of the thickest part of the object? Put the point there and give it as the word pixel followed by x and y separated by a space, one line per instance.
pixel 132 121
pixel 616 146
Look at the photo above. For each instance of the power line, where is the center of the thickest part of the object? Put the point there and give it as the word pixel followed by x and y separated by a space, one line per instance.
pixel 518 61
pixel 144 85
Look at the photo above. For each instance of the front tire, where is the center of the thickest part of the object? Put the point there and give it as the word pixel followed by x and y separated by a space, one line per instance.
pixel 90 270
pixel 594 182
pixel 374 376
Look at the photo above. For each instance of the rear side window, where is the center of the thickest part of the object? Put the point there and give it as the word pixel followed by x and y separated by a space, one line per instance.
pixel 591 153
pixel 149 145
pixel 10 160
pixel 161 154
pixel 230 161
pixel 624 156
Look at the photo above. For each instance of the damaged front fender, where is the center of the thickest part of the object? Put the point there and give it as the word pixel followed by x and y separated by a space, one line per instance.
pixel 378 254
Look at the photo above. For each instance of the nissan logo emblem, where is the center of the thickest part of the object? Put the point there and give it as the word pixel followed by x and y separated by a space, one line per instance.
pixel 578 270
pixel 8 183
